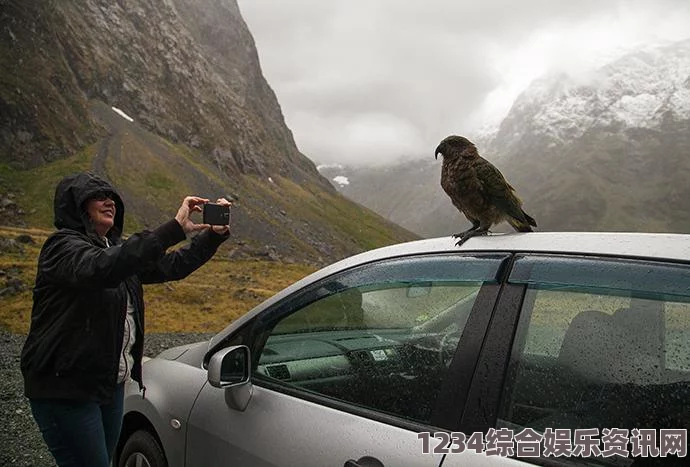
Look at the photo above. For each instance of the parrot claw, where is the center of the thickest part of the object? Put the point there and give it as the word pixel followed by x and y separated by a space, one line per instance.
pixel 466 235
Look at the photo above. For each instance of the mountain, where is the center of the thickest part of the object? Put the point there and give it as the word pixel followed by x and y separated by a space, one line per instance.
pixel 164 98
pixel 408 194
pixel 641 90
pixel 607 151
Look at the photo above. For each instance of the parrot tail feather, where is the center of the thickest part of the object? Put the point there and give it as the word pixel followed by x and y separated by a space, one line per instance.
pixel 522 226
pixel 530 219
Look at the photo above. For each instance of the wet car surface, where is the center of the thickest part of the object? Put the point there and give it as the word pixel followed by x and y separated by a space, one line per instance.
pixel 542 348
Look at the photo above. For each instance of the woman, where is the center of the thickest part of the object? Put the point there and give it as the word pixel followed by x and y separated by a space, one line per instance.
pixel 87 322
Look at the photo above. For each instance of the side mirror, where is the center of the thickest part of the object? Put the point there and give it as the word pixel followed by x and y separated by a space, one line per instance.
pixel 230 367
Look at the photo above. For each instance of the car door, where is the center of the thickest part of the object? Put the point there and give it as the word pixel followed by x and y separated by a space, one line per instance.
pixel 591 367
pixel 349 370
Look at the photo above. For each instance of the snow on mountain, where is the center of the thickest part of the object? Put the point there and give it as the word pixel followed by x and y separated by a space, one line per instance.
pixel 341 180
pixel 639 90
pixel 321 167
pixel 337 174
pixel 659 82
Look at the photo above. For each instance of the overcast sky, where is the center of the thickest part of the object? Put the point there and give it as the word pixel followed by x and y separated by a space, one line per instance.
pixel 362 81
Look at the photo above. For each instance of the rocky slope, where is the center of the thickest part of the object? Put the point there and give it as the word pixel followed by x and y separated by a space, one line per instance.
pixel 184 69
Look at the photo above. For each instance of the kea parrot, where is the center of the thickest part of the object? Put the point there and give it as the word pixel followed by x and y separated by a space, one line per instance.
pixel 478 190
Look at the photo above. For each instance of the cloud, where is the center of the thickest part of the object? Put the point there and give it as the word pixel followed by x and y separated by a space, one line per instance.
pixel 364 82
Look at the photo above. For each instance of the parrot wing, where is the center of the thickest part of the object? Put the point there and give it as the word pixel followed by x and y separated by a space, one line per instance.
pixel 500 193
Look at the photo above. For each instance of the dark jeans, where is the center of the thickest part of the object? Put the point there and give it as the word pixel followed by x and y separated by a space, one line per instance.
pixel 80 434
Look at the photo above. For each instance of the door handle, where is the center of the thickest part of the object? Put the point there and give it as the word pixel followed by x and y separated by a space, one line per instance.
pixel 366 461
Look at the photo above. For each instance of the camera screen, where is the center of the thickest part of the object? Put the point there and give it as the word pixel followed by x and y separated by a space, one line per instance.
pixel 216 214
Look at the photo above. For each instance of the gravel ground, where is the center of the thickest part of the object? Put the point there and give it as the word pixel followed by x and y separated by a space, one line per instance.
pixel 21 443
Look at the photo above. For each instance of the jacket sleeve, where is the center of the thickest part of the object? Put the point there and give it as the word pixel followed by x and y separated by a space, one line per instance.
pixel 179 263
pixel 69 258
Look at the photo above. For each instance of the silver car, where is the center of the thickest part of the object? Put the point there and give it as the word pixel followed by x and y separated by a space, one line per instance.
pixel 542 348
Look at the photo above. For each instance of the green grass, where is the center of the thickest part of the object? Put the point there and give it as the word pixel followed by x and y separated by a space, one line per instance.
pixel 193 159
pixel 36 187
pixel 208 300
pixel 158 181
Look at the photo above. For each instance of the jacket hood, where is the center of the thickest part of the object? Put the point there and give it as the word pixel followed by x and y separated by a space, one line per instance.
pixel 70 195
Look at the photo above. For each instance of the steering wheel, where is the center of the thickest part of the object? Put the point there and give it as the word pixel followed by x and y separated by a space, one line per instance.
pixel 446 349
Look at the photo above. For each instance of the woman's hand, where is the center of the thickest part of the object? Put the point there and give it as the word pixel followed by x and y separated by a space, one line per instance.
pixel 222 229
pixel 189 205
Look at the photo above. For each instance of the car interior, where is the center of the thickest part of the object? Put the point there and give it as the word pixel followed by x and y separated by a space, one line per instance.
pixel 398 371
pixel 611 371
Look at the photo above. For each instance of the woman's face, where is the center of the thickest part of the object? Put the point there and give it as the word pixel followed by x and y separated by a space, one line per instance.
pixel 101 211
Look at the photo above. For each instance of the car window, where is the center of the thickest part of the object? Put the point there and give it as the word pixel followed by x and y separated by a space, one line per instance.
pixel 380 337
pixel 601 344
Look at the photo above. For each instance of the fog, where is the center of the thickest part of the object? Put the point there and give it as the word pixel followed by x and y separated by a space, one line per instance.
pixel 369 82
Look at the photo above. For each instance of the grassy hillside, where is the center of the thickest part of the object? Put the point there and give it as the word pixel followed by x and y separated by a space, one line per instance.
pixel 281 231
pixel 206 301
pixel 33 189
pixel 298 223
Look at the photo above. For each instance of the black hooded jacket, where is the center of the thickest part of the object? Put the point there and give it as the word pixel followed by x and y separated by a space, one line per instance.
pixel 80 297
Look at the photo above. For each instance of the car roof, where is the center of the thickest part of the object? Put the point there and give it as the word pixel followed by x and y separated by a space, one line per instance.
pixel 634 245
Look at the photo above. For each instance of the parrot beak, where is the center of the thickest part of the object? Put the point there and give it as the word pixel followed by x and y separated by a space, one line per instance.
pixel 439 150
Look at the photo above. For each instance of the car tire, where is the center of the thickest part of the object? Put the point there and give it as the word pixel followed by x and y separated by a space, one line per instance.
pixel 142 450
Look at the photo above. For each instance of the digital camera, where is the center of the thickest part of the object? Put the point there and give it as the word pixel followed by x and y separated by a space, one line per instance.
pixel 216 214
